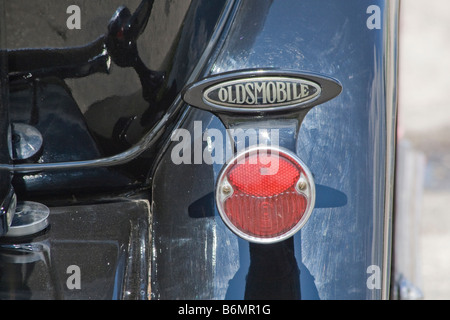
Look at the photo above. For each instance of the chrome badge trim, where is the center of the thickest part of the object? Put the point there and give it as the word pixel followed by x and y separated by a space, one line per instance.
pixel 261 90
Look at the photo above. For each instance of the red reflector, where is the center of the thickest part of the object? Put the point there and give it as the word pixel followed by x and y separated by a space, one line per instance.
pixel 265 195
pixel 261 217
pixel 264 175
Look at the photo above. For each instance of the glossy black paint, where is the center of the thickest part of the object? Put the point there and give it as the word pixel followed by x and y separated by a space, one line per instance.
pixel 5 176
pixel 101 219
pixel 124 30
pixel 48 106
pixel 26 64
pixel 344 142
pixel 46 102
pixel 108 243
pixel 91 214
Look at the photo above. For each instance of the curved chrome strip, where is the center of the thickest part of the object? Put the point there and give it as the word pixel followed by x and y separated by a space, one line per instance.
pixel 391 69
pixel 148 139
pixel 118 159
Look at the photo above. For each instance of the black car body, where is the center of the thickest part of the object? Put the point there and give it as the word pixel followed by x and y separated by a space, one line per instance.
pixel 131 223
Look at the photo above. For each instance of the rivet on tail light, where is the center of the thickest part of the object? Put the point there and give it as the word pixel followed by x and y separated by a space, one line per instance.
pixel 265 195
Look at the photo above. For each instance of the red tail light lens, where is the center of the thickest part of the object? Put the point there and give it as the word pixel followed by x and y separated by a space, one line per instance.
pixel 265 195
pixel 258 176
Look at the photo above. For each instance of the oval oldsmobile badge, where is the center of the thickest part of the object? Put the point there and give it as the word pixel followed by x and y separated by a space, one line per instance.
pixel 262 92
pixel 259 90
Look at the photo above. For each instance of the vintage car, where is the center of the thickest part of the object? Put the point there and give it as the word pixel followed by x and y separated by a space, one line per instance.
pixel 198 149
